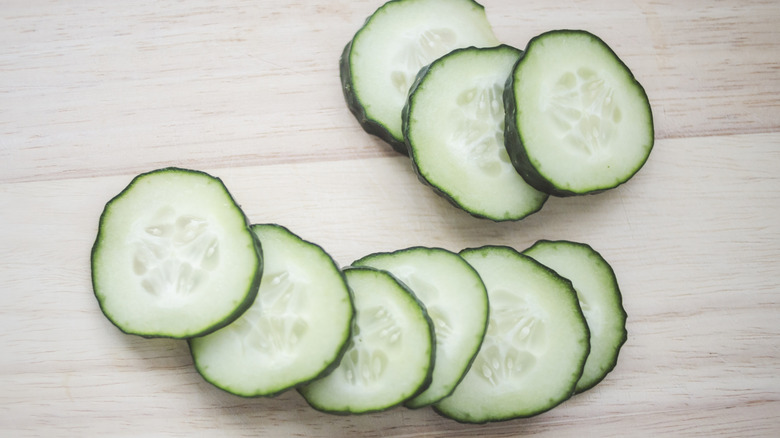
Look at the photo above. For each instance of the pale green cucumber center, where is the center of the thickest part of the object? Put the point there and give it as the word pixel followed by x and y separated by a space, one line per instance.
pixel 275 323
pixel 374 339
pixel 173 256
pixel 515 338
pixel 415 50
pixel 480 131
pixel 431 296
pixel 585 113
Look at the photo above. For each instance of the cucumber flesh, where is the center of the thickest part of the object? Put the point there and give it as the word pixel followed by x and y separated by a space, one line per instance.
pixel 295 331
pixel 536 342
pixel 456 300
pixel 381 61
pixel 174 256
pixel 454 128
pixel 600 299
pixel 577 120
pixel 391 353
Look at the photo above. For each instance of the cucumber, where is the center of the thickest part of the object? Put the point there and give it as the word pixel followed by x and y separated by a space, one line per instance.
pixel 454 127
pixel 456 300
pixel 295 331
pixel 391 353
pixel 577 120
pixel 600 299
pixel 536 342
pixel 174 256
pixel 380 62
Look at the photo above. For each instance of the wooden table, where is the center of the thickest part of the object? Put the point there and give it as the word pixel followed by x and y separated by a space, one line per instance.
pixel 94 92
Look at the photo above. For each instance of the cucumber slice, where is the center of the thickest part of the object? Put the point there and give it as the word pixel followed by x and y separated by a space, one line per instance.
pixel 454 128
pixel 456 300
pixel 600 299
pixel 536 342
pixel 390 357
pixel 295 331
pixel 381 61
pixel 577 121
pixel 174 256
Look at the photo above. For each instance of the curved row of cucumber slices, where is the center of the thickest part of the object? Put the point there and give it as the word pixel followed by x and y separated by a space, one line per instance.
pixel 494 129
pixel 486 334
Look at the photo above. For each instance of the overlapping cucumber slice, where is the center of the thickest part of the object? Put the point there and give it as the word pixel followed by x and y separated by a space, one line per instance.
pixel 456 300
pixel 454 128
pixel 536 344
pixel 380 62
pixel 577 120
pixel 391 353
pixel 295 331
pixel 600 299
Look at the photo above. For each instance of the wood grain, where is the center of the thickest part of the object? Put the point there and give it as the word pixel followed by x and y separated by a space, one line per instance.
pixel 100 89
pixel 91 93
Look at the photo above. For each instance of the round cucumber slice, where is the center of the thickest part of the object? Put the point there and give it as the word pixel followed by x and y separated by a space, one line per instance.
pixel 456 300
pixel 391 353
pixel 577 120
pixel 536 342
pixel 174 256
pixel 454 128
pixel 381 61
pixel 600 300
pixel 295 331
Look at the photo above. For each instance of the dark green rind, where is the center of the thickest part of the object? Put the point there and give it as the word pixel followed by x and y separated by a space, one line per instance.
pixel 553 402
pixel 619 297
pixel 251 290
pixel 363 260
pixel 423 384
pixel 357 109
pixel 324 372
pixel 513 137
pixel 405 125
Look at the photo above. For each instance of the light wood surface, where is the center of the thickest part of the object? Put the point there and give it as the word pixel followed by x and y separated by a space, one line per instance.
pixel 94 92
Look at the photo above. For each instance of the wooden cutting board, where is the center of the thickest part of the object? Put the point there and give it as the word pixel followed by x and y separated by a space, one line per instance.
pixel 94 92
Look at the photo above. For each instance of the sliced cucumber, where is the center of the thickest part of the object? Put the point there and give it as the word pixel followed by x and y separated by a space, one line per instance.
pixel 456 300
pixel 174 256
pixel 454 128
pixel 536 342
pixel 577 121
pixel 390 357
pixel 296 330
pixel 381 61
pixel 600 299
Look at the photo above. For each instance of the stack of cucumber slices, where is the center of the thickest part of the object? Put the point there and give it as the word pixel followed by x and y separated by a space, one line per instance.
pixel 493 129
pixel 486 334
